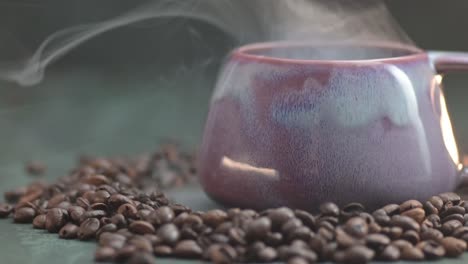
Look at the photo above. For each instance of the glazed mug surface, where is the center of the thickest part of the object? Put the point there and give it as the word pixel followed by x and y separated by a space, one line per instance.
pixel 297 124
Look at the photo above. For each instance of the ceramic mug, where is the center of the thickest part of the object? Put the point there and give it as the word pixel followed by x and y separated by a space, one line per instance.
pixel 297 124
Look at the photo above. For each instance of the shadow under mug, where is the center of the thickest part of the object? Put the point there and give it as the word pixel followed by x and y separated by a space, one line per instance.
pixel 297 124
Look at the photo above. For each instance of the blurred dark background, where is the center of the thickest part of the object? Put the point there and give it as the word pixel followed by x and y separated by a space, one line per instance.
pixel 125 91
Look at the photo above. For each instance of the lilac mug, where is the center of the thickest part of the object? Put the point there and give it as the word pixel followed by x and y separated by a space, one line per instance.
pixel 297 124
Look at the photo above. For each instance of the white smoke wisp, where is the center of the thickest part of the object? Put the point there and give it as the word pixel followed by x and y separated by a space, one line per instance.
pixel 245 20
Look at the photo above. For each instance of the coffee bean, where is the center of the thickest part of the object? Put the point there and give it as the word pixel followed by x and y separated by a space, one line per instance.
pixel 82 202
pixel 75 213
pixel 237 236
pixel 187 249
pixel 219 238
pixel 24 215
pixel 355 254
pixel 459 232
pixel 410 204
pixel 69 231
pixel 214 217
pixel 306 218
pixel 351 210
pixel 411 253
pixel 117 199
pixel 450 197
pixel 104 254
pixel 377 241
pixel 343 239
pixel 88 228
pixel 5 210
pixel 297 260
pixel 453 247
pixel 39 221
pixel 356 227
pixel 119 220
pixel 450 226
pixel 391 209
pixel 280 216
pixel 96 179
pixel 169 233
pixel 291 225
pixel 437 202
pixel 326 234
pixel 141 244
pixel 125 253
pixel 55 219
pixel 142 258
pixel 274 239
pixel 106 228
pixel 113 240
pixel 405 222
pixel 101 196
pixel 374 228
pixel 141 227
pixel 431 249
pixel 381 217
pixel 287 252
pixel 162 251
pixel 418 214
pixel 390 253
pixel 453 210
pixel 329 209
pixel 435 220
pixel 301 233
pixel 457 217
pixel 258 228
pixel 411 236
pixel 430 208
pixel 267 254
pixel 128 210
pixel 431 234
pixel 161 216
pixel 99 207
pixel 93 214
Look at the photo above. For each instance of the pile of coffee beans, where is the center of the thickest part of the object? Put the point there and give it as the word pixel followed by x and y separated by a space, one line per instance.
pixel 118 203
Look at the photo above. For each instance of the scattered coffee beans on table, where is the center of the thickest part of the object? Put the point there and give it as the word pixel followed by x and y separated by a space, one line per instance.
pixel 118 203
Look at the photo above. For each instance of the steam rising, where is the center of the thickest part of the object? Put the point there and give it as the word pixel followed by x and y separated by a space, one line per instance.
pixel 245 20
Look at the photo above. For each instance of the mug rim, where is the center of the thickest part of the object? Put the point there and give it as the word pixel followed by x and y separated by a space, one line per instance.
pixel 244 52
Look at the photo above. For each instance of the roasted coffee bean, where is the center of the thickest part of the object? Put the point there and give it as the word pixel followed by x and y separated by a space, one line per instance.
pixel 291 225
pixel 418 214
pixel 267 254
pixel 113 240
pixel 377 241
pixel 326 234
pixel 356 227
pixel 187 249
pixel 437 202
pixel 328 251
pixel 391 209
pixel 273 239
pixel 301 233
pixel 169 233
pixel 410 204
pixel 459 232
pixel 99 207
pixel 55 219
pixel 411 253
pixel 450 197
pixel 221 254
pixel 39 221
pixel 332 220
pixel 93 214
pixel 35 168
pixel 162 251
pixel 351 210
pixel 161 216
pixel 105 254
pixel 69 231
pixel 287 252
pixel 430 208
pixel 355 254
pixel 343 239
pixel 24 215
pixel 188 233
pixel 317 243
pixel 5 210
pixel 450 226
pixel 237 236
pixel 453 247
pixel 453 210
pixel 82 202
pixel 329 209
pixel 119 220
pixel 306 218
pixel 106 228
pixel 219 238
pixel 411 236
pixel 142 258
pixel 431 249
pixel 431 234
pixel 435 220
pixel 124 253
pixel 141 244
pixel 128 210
pixel 390 253
pixel 381 217
pixel 405 222
pixel 214 217
pixel 374 228
pixel 88 228
pixel 141 227
pixel 96 179
pixel 76 213
pixel 457 217
pixel 297 260
pixel 101 196
pixel 117 199
pixel 105 221
pixel 280 216
pixel 258 228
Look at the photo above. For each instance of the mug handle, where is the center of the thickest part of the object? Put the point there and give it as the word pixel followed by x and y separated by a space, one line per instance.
pixel 451 61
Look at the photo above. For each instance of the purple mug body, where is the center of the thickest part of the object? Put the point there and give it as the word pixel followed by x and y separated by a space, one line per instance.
pixel 369 127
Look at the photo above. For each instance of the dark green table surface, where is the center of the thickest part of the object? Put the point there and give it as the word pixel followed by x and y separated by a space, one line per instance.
pixel 116 111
